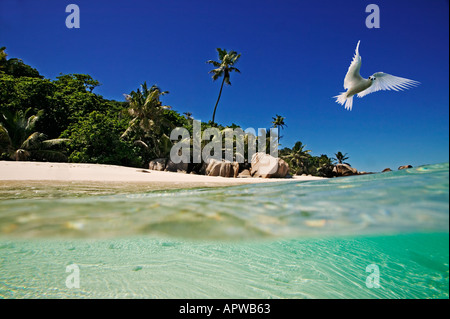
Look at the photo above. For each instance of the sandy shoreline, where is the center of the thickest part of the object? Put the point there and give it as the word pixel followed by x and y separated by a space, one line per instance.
pixel 70 172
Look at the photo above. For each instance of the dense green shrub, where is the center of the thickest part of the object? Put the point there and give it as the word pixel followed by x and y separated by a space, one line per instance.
pixel 96 139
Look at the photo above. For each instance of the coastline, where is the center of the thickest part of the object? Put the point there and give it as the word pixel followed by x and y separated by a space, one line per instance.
pixel 75 172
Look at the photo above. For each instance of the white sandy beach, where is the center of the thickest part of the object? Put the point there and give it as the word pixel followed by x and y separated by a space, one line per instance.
pixel 46 171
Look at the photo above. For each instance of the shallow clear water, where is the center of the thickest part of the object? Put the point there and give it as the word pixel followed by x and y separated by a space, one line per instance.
pixel 279 240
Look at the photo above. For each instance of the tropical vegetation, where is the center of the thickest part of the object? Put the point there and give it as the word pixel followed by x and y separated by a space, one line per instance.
pixel 340 158
pixel 20 141
pixel 302 162
pixel 278 123
pixel 65 120
pixel 223 68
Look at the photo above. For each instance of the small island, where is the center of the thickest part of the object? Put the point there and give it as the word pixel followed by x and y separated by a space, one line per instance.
pixel 63 120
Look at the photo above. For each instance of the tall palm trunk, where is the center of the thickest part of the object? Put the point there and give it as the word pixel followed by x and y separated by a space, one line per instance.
pixel 215 107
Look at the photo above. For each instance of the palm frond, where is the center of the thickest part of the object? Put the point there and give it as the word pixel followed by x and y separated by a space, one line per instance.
pixel 215 63
pixel 222 53
pixel 235 57
pixel 226 78
pixel 33 141
pixel 56 142
pixel 234 69
pixel 5 140
pixel 141 144
pixel 218 71
pixel 31 122
pixel 217 75
pixel 127 133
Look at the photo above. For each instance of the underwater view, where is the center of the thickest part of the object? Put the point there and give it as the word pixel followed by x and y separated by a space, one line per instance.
pixel 370 236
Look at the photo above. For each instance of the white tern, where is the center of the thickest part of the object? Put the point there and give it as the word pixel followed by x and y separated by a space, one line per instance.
pixel 356 84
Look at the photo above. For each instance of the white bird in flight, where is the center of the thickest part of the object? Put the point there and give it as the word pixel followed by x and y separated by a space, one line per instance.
pixel 356 84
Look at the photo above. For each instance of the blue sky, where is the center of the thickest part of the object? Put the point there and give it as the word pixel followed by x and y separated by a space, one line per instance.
pixel 294 58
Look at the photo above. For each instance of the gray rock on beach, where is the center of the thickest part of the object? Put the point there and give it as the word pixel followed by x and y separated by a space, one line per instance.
pixel 177 167
pixel 245 174
pixel 267 166
pixel 344 170
pixel 222 168
pixel 158 164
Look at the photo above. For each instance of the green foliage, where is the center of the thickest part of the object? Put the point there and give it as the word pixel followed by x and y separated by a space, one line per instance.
pixel 68 108
pixel 62 101
pixel 176 120
pixel 302 162
pixel 20 141
pixel 16 67
pixel 24 92
pixel 70 83
pixel 72 100
pixel 96 139
pixel 340 158
pixel 150 122
pixel 38 116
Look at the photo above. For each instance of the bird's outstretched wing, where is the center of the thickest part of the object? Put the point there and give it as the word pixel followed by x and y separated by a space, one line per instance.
pixel 384 81
pixel 353 76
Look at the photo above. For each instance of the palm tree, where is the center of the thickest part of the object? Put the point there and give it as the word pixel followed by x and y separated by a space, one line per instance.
pixel 148 119
pixel 278 122
pixel 188 115
pixel 223 67
pixel 20 142
pixel 340 158
pixel 325 166
pixel 298 157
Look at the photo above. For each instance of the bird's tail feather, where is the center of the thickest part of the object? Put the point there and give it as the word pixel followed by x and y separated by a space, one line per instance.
pixel 343 99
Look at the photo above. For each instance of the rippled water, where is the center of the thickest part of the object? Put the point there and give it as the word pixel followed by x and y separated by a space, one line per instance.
pixel 292 239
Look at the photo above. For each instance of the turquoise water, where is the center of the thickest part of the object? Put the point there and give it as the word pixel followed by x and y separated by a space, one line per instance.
pixel 292 239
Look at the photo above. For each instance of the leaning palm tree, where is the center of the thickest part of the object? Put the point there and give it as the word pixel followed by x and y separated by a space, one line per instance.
pixel 20 141
pixel 223 67
pixel 278 122
pixel 148 119
pixel 340 158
